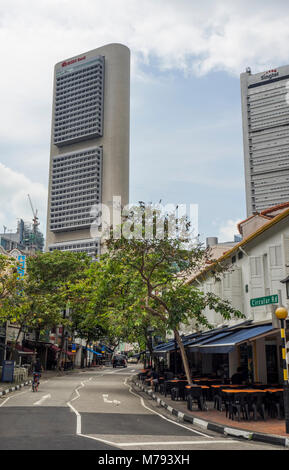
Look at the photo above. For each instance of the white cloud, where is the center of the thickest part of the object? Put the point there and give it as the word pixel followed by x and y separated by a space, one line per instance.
pixel 228 230
pixel 179 35
pixel 14 190
pixel 194 37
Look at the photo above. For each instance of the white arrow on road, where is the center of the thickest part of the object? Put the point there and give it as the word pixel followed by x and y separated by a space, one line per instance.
pixel 39 402
pixel 105 399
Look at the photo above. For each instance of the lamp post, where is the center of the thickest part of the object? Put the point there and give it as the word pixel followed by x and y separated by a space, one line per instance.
pixel 282 313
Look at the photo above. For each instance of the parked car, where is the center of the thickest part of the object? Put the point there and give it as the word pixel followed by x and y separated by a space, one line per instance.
pixel 119 361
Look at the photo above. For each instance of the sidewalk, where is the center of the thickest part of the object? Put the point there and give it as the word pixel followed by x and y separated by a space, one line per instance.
pixel 8 387
pixel 271 430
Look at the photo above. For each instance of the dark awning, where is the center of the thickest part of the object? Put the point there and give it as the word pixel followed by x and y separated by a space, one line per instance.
pixel 189 340
pixel 22 349
pixel 195 339
pixel 228 342
pixel 103 347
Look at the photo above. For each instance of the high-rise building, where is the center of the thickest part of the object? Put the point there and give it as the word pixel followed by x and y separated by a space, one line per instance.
pixel 89 157
pixel 265 113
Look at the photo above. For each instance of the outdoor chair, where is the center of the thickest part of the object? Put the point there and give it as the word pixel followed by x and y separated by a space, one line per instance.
pixel 161 386
pixel 275 405
pixel 238 405
pixel 256 404
pixel 217 398
pixel 168 386
pixel 232 404
pixel 178 391
pixel 195 395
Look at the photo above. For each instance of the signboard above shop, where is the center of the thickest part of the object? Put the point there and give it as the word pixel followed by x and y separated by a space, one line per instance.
pixel 261 301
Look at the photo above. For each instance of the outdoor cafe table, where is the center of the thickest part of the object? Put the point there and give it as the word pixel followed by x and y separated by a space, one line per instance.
pixel 168 384
pixel 247 392
pixel 208 381
pixel 228 386
pixel 142 373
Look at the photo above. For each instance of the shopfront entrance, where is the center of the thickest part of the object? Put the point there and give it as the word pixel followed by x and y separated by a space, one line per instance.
pixel 272 363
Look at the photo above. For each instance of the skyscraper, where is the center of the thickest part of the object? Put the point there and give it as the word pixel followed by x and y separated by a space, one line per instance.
pixel 89 156
pixel 265 114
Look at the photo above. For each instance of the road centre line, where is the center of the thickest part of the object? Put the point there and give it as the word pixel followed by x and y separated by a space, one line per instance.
pixel 163 417
pixel 78 423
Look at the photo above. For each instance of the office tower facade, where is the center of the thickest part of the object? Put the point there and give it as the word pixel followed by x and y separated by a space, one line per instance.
pixel 89 157
pixel 265 115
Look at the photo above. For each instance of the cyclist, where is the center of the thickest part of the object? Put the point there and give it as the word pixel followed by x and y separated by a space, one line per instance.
pixel 37 368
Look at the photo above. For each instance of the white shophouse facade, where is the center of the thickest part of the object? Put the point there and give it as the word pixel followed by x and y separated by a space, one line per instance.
pixel 258 265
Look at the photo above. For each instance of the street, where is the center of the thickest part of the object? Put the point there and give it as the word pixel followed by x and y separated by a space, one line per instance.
pixel 99 410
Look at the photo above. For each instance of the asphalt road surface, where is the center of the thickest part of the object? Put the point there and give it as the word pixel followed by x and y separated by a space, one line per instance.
pixel 99 410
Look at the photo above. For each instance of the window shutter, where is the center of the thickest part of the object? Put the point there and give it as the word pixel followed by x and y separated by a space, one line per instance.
pixel 237 300
pixel 226 282
pixel 257 276
pixel 276 263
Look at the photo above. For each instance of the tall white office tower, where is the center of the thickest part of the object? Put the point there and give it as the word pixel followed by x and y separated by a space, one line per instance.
pixel 89 157
pixel 265 113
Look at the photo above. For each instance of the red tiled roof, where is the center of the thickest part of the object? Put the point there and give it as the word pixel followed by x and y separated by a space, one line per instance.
pixel 250 237
pixel 275 208
pixel 265 213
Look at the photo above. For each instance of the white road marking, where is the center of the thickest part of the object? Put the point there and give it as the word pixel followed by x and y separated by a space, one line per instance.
pixel 163 417
pixel 78 419
pixel 39 402
pixel 78 426
pixel 154 443
pixel 3 403
pixel 12 396
pixel 121 445
pixel 105 399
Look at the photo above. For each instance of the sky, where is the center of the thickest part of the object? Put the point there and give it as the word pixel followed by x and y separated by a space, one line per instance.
pixel 186 130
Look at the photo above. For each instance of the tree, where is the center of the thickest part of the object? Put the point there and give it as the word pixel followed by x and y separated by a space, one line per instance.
pixel 10 282
pixel 86 302
pixel 103 308
pixel 11 286
pixel 40 300
pixel 154 271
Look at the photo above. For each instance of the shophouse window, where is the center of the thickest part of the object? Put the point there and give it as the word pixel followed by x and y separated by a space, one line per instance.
pixel 255 265
pixel 275 255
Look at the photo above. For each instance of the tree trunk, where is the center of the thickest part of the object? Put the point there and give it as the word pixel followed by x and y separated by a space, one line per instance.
pixel 12 355
pixel 61 350
pixel 184 356
pixel 150 348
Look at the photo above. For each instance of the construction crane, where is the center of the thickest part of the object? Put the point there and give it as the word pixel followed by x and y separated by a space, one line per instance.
pixel 35 219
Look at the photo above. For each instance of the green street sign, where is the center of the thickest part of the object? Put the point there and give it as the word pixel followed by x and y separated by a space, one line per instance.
pixel 260 301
